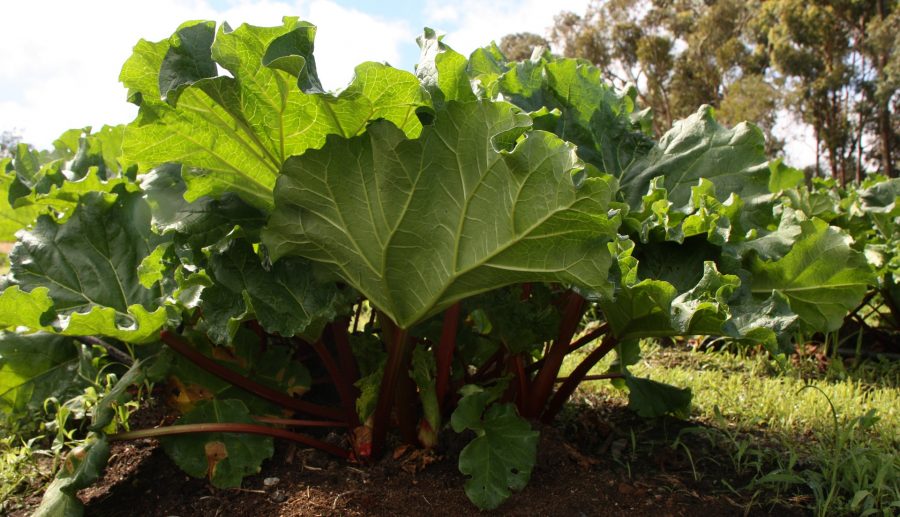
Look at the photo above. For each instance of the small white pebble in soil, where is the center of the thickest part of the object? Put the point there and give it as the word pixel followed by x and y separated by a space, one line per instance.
pixel 271 481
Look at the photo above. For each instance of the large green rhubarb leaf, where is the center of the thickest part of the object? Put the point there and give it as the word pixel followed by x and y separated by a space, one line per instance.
pixel 701 178
pixel 21 309
pixel 821 276
pixel 36 367
pixel 286 299
pixel 650 399
pixel 89 268
pixel 442 70
pixel 768 322
pixel 677 290
pixel 654 307
pixel 224 458
pixel 197 224
pixel 416 225
pixel 13 219
pixel 698 147
pixel 659 218
pixel 233 133
pixel 569 98
pixel 33 173
pixel 52 182
pixel 590 113
pixel 687 184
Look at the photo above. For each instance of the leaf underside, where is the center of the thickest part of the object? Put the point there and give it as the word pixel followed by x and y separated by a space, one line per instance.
pixel 416 225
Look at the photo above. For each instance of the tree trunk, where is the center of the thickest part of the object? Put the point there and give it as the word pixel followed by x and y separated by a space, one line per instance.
pixel 836 172
pixel 818 172
pixel 885 131
pixel 859 149
pixel 832 114
pixel 833 164
pixel 886 135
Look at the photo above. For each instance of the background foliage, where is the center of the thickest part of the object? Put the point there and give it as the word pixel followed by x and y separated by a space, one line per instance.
pixel 832 64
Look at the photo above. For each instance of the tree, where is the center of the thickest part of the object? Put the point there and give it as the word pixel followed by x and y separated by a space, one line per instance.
pixel 834 56
pixel 834 63
pixel 752 98
pixel 520 45
pixel 882 44
pixel 8 142
pixel 680 54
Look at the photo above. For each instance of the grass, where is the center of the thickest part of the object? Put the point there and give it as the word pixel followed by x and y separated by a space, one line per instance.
pixel 31 450
pixel 24 471
pixel 833 434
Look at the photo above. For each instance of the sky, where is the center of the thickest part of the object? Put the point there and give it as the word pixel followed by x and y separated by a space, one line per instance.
pixel 61 58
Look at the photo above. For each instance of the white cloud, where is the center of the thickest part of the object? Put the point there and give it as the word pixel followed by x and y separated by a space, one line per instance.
pixel 477 23
pixel 347 37
pixel 61 59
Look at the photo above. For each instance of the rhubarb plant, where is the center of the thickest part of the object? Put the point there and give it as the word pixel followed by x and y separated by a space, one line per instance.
pixel 416 254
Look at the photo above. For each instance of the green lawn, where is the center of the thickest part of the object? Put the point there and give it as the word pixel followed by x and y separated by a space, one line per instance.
pixel 830 432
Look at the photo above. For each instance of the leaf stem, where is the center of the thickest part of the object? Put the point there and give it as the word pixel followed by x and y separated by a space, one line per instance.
pixel 444 352
pixel 343 387
pixel 177 344
pixel 397 341
pixel 517 367
pixel 579 343
pixel 174 430
pixel 298 423
pixel 598 377
pixel 579 374
pixel 489 366
pixel 340 332
pixel 111 351
pixel 543 382
pixel 406 402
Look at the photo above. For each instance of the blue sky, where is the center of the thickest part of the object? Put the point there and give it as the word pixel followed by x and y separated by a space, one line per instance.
pixel 61 58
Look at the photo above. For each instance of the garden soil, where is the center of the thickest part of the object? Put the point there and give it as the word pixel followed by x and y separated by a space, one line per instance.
pixel 587 465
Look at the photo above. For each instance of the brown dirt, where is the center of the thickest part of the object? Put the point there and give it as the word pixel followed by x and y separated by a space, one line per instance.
pixel 586 466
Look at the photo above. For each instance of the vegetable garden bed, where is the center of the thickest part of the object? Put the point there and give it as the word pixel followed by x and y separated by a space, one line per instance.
pixel 581 470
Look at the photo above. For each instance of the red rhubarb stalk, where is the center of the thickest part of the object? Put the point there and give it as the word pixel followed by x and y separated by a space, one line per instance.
pixel 578 374
pixel 294 422
pixel 398 342
pixel 345 390
pixel 517 367
pixel 580 342
pixel 543 382
pixel 445 349
pixel 173 430
pixel 282 399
